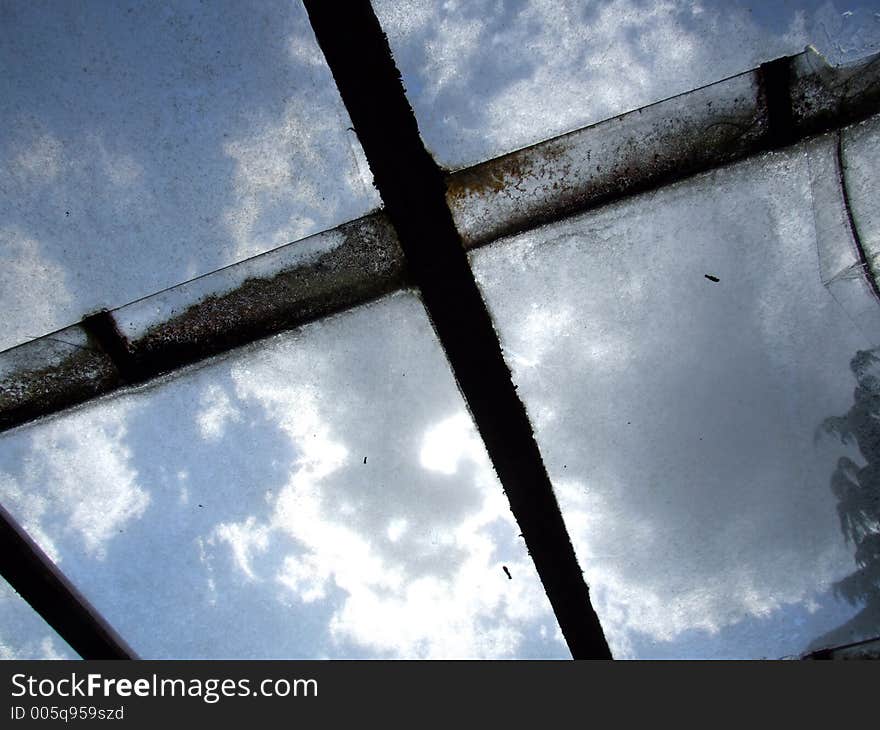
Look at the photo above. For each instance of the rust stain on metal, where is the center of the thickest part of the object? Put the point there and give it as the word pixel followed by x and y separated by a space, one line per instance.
pixel 491 177
pixel 583 169
pixel 660 144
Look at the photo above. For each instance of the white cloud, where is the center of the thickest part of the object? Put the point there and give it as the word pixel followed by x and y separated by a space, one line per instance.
pixel 664 601
pixel 215 412
pixel 41 160
pixel 471 609
pixel 448 442
pixel 302 161
pixel 31 283
pixel 385 557
pixel 489 77
pixel 76 475
pixel 244 539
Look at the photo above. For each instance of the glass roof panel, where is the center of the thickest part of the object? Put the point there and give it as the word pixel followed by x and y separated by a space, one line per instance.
pixel 861 155
pixel 706 410
pixel 147 144
pixel 322 494
pixel 23 632
pixel 488 77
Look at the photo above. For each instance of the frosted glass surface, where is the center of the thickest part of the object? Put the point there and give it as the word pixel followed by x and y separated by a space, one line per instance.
pixel 861 153
pixel 487 77
pixel 712 443
pixel 323 494
pixel 145 144
pixel 23 632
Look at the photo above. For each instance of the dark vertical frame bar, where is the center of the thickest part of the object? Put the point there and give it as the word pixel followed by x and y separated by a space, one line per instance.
pixel 775 80
pixel 102 329
pixel 413 189
pixel 36 578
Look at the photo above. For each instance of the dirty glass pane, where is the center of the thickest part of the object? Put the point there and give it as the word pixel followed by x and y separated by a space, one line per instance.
pixel 861 155
pixel 487 77
pixel 707 412
pixel 144 144
pixel 842 261
pixel 323 494
pixel 23 632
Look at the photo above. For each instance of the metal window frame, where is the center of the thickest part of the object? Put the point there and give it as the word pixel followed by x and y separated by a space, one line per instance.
pixel 431 218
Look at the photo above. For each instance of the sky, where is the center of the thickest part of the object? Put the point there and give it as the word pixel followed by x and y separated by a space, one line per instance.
pixel 487 77
pixel 148 143
pixel 323 494
pixel 24 634
pixel 328 484
pixel 681 418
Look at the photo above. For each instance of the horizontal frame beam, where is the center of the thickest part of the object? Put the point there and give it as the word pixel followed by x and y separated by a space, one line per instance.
pixel 779 103
pixel 352 264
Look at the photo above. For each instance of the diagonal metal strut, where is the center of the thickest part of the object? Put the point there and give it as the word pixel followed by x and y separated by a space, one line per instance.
pixel 413 190
pixel 30 571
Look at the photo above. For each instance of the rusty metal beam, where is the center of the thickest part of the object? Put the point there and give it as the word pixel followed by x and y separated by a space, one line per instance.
pixel 325 273
pixel 779 103
pixel 641 150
